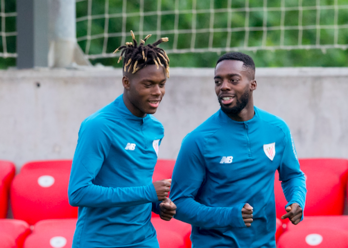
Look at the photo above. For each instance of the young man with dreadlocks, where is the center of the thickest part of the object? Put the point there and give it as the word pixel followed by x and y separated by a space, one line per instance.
pixel 111 175
pixel 224 174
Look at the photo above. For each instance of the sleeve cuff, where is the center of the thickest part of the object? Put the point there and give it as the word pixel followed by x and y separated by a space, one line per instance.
pixel 155 207
pixel 236 214
pixel 152 193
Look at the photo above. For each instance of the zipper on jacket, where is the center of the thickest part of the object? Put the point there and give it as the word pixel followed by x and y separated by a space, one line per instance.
pixel 248 140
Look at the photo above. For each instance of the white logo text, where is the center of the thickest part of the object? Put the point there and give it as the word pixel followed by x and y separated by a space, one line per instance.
pixel 130 146
pixel 226 160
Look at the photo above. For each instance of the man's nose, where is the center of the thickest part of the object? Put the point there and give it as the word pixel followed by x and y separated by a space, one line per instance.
pixel 157 90
pixel 225 85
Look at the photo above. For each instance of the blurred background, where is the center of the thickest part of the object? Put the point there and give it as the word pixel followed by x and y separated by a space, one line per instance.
pixel 57 68
pixel 278 33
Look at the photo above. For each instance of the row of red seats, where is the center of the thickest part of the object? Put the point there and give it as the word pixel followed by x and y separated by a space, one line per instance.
pixel 39 198
pixel 39 202
pixel 324 224
pixel 58 233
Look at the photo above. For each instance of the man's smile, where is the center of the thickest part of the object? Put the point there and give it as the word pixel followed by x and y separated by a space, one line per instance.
pixel 154 103
pixel 226 99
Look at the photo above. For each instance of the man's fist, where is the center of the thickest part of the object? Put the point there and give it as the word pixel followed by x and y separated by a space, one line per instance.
pixel 167 209
pixel 294 213
pixel 162 188
pixel 247 213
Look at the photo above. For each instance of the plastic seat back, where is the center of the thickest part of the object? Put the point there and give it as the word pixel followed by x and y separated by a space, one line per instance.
pixel 164 167
pixel 7 241
pixel 173 233
pixel 52 233
pixel 332 222
pixel 17 230
pixel 314 237
pixel 326 182
pixel 40 191
pixel 7 172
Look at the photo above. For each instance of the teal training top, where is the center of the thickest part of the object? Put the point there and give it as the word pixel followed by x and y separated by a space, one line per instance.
pixel 111 179
pixel 224 164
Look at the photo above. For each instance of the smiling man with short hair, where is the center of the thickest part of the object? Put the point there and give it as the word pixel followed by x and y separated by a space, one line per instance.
pixel 224 174
pixel 111 175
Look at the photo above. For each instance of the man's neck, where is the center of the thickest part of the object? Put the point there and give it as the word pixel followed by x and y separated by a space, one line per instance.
pixel 246 114
pixel 133 109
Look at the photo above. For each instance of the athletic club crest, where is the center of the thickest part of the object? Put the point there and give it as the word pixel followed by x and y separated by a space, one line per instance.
pixel 156 146
pixel 270 150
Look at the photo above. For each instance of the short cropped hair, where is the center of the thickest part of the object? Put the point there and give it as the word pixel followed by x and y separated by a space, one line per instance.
pixel 246 59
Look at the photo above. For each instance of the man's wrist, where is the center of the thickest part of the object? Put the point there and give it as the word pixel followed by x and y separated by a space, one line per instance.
pixel 151 193
pixel 236 215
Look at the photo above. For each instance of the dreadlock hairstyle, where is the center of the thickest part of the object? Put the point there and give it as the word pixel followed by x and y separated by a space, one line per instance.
pixel 137 56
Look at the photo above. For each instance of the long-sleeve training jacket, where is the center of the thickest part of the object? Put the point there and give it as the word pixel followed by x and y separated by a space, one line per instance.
pixel 224 164
pixel 111 179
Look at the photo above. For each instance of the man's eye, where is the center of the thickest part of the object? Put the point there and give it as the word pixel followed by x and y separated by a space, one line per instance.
pixel 217 82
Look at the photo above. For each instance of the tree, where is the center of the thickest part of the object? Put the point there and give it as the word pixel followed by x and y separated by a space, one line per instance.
pixel 263 58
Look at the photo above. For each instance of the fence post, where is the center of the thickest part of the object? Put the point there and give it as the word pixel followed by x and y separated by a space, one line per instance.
pixel 32 31
pixel 63 47
pixel 47 34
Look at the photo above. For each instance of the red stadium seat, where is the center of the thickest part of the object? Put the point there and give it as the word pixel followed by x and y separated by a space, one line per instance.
pixel 169 231
pixel 154 215
pixel 318 237
pixel 16 230
pixel 279 229
pixel 7 241
pixel 39 192
pixel 158 176
pixel 331 222
pixel 169 239
pixel 52 234
pixel 7 172
pixel 163 170
pixel 164 167
pixel 326 181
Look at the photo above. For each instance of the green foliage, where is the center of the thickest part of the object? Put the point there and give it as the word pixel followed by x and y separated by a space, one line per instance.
pixel 10 26
pixel 255 18
pixel 239 38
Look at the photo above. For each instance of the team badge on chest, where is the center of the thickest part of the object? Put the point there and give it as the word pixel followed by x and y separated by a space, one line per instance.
pixel 155 145
pixel 270 150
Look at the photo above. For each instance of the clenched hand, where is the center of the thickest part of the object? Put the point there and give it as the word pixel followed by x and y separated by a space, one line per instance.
pixel 247 214
pixel 294 213
pixel 162 188
pixel 167 209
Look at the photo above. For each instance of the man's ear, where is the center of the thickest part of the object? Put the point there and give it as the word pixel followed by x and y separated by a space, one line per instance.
pixel 126 82
pixel 253 85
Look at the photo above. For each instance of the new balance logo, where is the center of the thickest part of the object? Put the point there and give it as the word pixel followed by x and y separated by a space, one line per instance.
pixel 226 160
pixel 130 146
